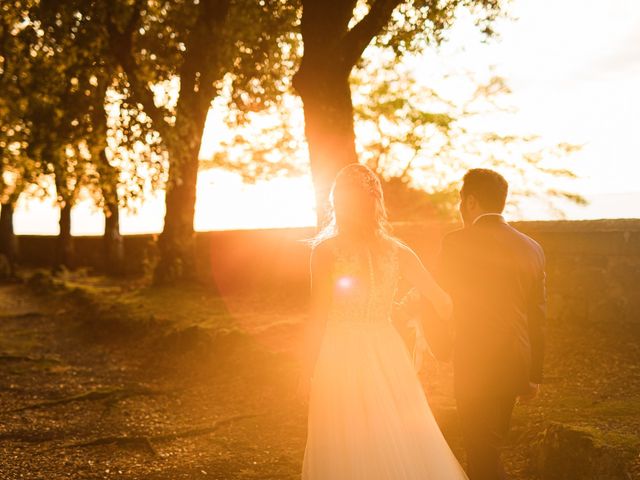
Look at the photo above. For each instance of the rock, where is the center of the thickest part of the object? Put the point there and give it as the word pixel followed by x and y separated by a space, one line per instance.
pixel 568 452
pixel 181 341
pixel 43 283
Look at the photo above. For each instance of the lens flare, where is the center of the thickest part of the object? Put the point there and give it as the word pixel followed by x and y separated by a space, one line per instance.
pixel 345 283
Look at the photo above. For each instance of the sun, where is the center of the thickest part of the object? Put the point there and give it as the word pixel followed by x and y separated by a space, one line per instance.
pixel 225 202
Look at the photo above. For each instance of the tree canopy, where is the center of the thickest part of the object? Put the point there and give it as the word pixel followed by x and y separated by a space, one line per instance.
pixel 110 99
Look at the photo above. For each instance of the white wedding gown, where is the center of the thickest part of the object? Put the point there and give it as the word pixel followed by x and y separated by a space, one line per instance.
pixel 368 415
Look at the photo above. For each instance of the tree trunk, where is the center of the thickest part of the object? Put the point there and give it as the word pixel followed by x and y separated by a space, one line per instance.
pixel 176 244
pixel 112 240
pixel 8 240
pixel 113 243
pixel 328 115
pixel 331 50
pixel 199 71
pixel 322 82
pixel 64 244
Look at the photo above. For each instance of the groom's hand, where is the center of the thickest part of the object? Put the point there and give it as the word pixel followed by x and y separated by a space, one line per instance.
pixel 530 394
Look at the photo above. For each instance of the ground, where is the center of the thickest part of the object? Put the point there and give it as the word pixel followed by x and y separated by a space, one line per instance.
pixel 112 379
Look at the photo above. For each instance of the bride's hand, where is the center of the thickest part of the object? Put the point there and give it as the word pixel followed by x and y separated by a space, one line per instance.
pixel 413 270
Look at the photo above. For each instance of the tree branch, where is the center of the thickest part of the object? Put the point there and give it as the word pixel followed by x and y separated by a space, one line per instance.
pixel 3 48
pixel 121 45
pixel 357 39
pixel 145 442
pixel 200 67
pixel 100 394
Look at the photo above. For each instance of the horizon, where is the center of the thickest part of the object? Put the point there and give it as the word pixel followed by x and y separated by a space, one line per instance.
pixel 129 222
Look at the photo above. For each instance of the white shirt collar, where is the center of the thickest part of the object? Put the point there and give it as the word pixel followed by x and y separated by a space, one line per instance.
pixel 487 215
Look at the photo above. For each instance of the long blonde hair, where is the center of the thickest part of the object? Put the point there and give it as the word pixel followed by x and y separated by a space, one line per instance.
pixel 358 186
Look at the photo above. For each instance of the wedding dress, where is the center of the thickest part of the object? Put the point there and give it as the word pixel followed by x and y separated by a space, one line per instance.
pixel 368 415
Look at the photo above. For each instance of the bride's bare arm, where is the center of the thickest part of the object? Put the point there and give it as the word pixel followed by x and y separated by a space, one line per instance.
pixel 321 259
pixel 415 272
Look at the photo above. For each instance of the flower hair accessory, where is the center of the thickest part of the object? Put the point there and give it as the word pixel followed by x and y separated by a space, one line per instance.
pixel 362 177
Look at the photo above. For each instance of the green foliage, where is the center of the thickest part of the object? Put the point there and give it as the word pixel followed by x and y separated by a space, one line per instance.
pixel 245 43
pixel 407 203
pixel 64 65
pixel 415 134
pixel 123 158
pixel 150 67
pixel 417 23
pixel 16 168
pixel 417 140
pixel 262 145
pixel 60 91
pixel 56 76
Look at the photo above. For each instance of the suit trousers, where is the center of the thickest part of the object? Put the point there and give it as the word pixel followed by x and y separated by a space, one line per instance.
pixel 484 421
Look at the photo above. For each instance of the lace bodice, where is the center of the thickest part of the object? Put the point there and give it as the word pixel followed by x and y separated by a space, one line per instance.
pixel 364 284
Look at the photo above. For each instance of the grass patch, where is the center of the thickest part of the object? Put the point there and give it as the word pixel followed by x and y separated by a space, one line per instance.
pixel 167 320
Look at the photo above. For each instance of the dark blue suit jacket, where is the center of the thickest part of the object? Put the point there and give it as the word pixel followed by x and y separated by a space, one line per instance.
pixel 496 278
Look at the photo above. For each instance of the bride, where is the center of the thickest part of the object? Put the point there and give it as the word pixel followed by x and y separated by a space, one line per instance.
pixel 368 415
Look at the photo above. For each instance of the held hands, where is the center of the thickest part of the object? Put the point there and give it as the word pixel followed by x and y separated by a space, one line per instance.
pixel 405 308
pixel 529 395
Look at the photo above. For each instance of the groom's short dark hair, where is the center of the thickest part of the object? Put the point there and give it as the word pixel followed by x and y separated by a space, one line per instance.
pixel 488 187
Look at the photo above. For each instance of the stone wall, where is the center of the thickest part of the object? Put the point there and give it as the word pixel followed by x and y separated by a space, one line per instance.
pixel 593 267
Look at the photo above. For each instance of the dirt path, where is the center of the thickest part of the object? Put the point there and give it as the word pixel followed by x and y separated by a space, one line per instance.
pixel 75 405
pixel 86 398
pixel 147 418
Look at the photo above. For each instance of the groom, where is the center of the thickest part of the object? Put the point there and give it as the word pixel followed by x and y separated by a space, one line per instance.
pixel 495 276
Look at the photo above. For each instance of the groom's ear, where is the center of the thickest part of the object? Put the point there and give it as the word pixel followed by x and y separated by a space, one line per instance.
pixel 471 201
